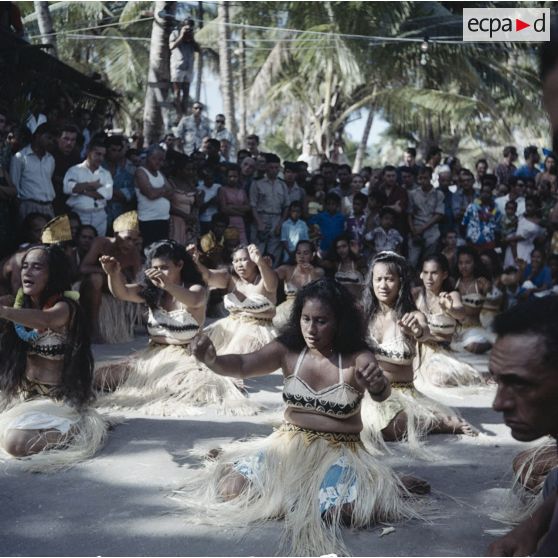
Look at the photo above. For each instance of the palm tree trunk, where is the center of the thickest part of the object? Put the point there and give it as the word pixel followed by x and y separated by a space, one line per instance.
pixel 242 97
pixel 155 116
pixel 225 70
pixel 199 58
pixel 45 26
pixel 359 157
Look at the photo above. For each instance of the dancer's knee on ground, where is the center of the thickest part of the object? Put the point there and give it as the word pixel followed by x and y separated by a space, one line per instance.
pixel 21 443
pixel 232 485
pixel 397 428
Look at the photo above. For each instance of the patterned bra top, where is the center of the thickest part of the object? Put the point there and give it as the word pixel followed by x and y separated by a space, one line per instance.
pixel 340 400
pixel 351 277
pixel 290 290
pixel 472 300
pixel 177 324
pixel 399 350
pixel 493 300
pixel 253 305
pixel 50 344
pixel 439 323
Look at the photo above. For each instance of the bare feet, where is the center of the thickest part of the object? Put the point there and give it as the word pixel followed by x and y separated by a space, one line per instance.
pixel 415 485
pixel 455 425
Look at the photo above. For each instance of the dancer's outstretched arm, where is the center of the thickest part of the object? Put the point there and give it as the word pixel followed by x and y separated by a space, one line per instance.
pixel 192 296
pixel 269 277
pixel 55 317
pixel 262 362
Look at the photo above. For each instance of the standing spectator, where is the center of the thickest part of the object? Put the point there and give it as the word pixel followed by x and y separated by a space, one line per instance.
pixel 465 194
pixel 209 201
pixel 253 145
pixel 329 172
pixel 89 186
pixel 234 203
pixel 549 173
pixel 295 192
pixel 123 188
pixel 193 128
pixel 355 225
pixel 331 222
pixel 182 47
pixel 247 171
pixel 504 171
pixel 481 168
pixel 31 171
pixel 529 169
pixel 221 133
pixel 409 161
pixel 396 197
pixel 433 158
pixel 408 178
pixel 444 183
pixel 65 155
pixel 83 119
pixel 516 194
pixel 269 200
pixel 344 189
pixel 36 116
pixel 293 230
pixel 153 192
pixel 426 210
pixel 482 220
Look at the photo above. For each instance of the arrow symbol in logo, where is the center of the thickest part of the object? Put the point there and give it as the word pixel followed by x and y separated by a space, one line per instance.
pixel 520 25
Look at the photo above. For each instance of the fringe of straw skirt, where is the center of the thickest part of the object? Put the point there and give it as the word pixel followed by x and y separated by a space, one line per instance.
pixel 83 432
pixel 304 477
pixel 166 380
pixel 117 319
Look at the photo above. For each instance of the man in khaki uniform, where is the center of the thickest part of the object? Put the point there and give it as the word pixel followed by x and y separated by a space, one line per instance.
pixel 269 200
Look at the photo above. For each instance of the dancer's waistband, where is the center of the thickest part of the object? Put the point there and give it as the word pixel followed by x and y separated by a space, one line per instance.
pixel 350 439
pixel 403 385
pixel 250 319
pixel 34 388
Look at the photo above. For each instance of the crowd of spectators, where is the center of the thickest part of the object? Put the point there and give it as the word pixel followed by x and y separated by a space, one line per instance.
pixel 198 187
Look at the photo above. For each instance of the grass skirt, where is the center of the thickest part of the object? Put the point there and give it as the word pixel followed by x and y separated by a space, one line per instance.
pixel 240 335
pixel 289 475
pixel 439 367
pixel 283 313
pixel 166 380
pixel 521 502
pixel 117 319
pixel 84 433
pixel 423 415
pixel 469 335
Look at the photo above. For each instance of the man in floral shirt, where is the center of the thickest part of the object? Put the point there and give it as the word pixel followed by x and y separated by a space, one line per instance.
pixel 482 221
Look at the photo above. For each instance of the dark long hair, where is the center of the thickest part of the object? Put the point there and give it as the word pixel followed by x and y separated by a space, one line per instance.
pixel 77 373
pixel 170 250
pixel 398 265
pixel 442 262
pixel 479 269
pixel 350 336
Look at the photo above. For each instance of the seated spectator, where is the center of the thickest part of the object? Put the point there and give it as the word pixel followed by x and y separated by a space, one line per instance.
pixel 89 187
pixel 212 243
pixel 85 237
pixel 483 221
pixel 536 276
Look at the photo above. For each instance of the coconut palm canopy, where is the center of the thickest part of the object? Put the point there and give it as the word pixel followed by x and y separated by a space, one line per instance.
pixel 312 67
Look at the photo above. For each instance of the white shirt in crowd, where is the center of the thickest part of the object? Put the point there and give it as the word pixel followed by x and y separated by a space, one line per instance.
pixel 157 209
pixel 501 202
pixel 82 173
pixel 32 175
pixel 33 122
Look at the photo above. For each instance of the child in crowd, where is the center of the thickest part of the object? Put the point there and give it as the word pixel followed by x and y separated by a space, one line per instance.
pixel 316 195
pixel 331 221
pixel 293 230
pixel 356 222
pixel 386 237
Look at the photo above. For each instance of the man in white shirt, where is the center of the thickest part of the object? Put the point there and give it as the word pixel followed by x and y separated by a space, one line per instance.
pixel 89 186
pixel 31 171
pixel 221 133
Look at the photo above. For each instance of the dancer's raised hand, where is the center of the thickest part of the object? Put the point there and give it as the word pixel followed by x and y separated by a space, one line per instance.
pixel 158 278
pixel 371 377
pixel 446 302
pixel 109 264
pixel 254 253
pixel 410 325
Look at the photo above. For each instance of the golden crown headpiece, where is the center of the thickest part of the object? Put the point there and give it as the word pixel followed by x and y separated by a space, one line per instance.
pixel 57 230
pixel 126 222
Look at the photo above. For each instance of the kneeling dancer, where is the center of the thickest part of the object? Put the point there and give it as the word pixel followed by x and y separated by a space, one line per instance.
pixel 165 379
pixel 313 471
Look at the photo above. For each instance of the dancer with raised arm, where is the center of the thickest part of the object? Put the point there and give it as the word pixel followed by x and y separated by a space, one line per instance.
pixel 442 307
pixel 164 378
pixel 294 277
pixel 395 325
pixel 46 368
pixel 313 471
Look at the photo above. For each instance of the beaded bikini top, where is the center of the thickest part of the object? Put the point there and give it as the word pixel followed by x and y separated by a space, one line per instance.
pixel 396 349
pixel 177 324
pixel 340 400
pixel 351 277
pixel 254 304
pixel 49 344
pixel 472 300
pixel 439 323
